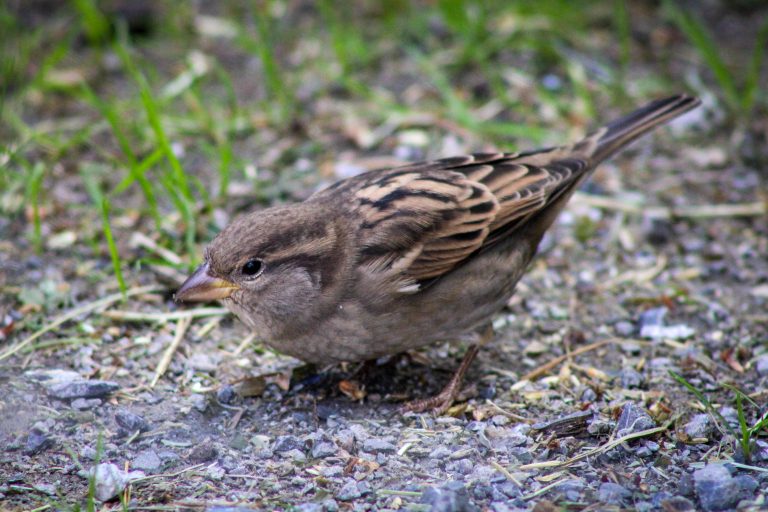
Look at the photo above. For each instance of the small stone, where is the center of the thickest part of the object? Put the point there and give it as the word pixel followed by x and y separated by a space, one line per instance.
pixel 630 378
pixel 747 486
pixel 288 443
pixel 199 402
pixel 440 453
pixel 52 376
pixel 698 427
pixel 633 419
pixel 572 489
pixel 295 455
pixel 147 461
pixel 625 329
pixel 613 494
pixel 130 422
pixel 730 415
pixel 238 442
pixel 260 442
pixel 677 504
pixel 110 480
pixel 82 389
pixel 308 507
pixel 653 317
pixel 685 486
pixel 450 497
pixel 203 452
pixel 588 395
pixel 349 491
pixel 324 449
pixel 215 472
pixel 83 404
pixel 226 394
pixel 37 441
pixel 378 445
pixel 716 488
pixel 761 365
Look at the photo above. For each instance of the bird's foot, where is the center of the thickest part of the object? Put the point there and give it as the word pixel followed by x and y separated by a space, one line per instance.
pixel 444 400
pixel 438 403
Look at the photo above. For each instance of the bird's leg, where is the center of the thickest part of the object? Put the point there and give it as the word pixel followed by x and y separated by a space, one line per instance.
pixel 443 400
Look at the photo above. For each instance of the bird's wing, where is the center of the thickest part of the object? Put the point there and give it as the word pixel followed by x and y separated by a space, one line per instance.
pixel 420 221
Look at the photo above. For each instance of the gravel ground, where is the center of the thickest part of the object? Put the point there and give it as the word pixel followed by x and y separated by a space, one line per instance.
pixel 574 405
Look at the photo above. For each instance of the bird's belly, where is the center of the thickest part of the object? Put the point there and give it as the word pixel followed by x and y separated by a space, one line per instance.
pixel 444 312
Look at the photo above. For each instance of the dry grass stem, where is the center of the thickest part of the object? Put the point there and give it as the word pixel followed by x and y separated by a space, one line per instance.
pixel 181 329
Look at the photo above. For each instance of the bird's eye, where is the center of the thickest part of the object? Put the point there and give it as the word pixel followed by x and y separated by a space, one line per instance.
pixel 252 267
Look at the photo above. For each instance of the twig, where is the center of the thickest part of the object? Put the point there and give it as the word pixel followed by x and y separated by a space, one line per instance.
pixel 508 413
pixel 501 469
pixel 181 329
pixel 141 240
pixel 544 489
pixel 604 448
pixel 637 275
pixel 707 211
pixel 556 361
pixel 138 316
pixel 167 475
pixel 74 313
pixel 244 344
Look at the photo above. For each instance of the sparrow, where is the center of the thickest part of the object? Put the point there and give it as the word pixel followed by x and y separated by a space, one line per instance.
pixel 395 259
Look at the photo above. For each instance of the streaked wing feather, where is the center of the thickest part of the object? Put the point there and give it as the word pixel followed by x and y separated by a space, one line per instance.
pixel 422 220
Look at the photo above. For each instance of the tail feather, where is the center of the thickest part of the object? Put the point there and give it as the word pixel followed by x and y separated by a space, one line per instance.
pixel 617 134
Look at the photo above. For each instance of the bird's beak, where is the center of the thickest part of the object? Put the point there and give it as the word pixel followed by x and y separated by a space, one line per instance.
pixel 203 287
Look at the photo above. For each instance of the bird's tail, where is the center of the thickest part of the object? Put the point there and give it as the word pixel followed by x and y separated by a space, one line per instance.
pixel 612 137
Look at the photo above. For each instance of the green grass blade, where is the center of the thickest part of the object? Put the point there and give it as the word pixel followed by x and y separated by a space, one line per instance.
pixel 702 40
pixel 34 183
pixel 136 171
pixel 113 253
pixel 705 401
pixel 751 83
pixel 94 23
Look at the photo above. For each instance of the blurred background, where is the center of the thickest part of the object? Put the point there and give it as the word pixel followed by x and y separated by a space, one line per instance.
pixel 133 131
pixel 168 117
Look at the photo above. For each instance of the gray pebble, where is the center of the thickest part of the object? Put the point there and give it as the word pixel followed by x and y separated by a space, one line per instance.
pixel 613 494
pixel 37 441
pixel 572 489
pixel 761 365
pixel 633 419
pixel 677 504
pixel 716 488
pixel 625 329
pixel 450 497
pixel 747 486
pixel 630 378
pixel 199 402
pixel 83 404
pixel 730 415
pixel 700 426
pixel 324 449
pixel 349 491
pixel 130 422
pixel 288 443
pixel 685 486
pixel 226 394
pixel 82 389
pixel 110 480
pixel 203 452
pixel 440 453
pixel 378 445
pixel 148 461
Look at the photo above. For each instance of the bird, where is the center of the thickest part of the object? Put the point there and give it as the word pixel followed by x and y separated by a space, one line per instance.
pixel 400 258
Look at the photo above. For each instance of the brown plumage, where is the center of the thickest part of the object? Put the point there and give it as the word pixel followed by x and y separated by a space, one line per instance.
pixel 396 259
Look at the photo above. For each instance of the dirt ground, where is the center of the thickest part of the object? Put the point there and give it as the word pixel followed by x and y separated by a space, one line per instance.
pixel 657 268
